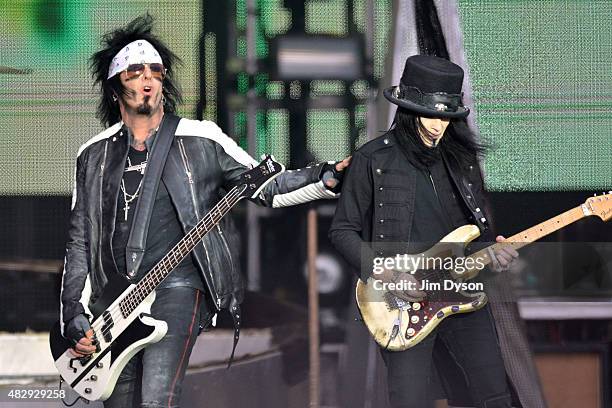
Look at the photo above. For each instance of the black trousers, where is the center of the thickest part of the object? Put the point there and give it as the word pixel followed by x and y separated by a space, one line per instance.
pixel 470 340
pixel 153 377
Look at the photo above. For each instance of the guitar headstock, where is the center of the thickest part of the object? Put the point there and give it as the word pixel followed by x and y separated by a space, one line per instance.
pixel 600 206
pixel 254 180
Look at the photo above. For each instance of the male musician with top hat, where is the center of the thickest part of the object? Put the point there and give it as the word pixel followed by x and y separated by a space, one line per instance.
pixel 415 184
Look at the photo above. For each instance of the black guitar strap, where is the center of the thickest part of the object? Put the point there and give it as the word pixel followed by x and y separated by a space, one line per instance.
pixel 144 208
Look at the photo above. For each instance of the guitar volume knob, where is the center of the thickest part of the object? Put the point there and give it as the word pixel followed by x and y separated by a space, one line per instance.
pixel 410 332
pixel 416 306
pixel 414 319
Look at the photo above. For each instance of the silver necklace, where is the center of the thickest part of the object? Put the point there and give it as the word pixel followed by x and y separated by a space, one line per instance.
pixel 128 198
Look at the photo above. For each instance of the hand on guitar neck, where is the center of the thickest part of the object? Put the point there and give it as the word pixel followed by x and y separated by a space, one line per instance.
pixel 504 256
pixel 392 276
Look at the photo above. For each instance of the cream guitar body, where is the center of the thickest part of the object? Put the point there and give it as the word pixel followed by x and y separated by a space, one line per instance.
pixel 398 325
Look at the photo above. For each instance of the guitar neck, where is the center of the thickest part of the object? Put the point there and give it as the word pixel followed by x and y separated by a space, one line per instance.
pixel 163 268
pixel 533 234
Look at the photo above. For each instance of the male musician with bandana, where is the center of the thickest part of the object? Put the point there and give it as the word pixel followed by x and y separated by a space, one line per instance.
pixel 108 232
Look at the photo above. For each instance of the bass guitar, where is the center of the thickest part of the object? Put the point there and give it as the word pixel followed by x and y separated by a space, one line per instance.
pixel 123 324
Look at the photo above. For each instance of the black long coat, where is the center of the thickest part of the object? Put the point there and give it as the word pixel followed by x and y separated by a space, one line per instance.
pixel 376 208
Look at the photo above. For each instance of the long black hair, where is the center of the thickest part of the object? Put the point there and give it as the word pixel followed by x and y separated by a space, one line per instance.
pixel 112 42
pixel 458 143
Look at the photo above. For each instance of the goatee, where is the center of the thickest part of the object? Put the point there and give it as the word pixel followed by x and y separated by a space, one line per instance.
pixel 145 108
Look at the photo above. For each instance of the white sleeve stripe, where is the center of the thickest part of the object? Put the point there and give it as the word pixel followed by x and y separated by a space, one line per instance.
pixel 74 190
pixel 314 191
pixel 86 295
pixel 61 320
pixel 210 130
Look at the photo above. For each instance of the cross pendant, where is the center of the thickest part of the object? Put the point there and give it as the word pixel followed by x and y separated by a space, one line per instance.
pixel 125 210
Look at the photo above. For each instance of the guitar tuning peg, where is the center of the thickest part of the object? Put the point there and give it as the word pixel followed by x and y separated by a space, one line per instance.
pixel 263 156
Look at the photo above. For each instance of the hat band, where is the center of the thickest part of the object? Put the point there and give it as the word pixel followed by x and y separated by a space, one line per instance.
pixel 437 101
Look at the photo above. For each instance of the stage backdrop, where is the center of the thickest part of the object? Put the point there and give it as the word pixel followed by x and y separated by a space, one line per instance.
pixel 542 83
pixel 47 113
pixel 540 73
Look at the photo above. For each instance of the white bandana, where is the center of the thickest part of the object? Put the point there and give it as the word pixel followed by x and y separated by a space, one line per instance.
pixel 136 52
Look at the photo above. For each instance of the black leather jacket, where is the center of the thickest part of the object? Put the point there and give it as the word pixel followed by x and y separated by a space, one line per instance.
pixel 201 162
pixel 376 209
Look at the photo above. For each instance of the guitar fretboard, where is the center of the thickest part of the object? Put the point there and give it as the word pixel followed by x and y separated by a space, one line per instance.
pixel 163 268
pixel 532 234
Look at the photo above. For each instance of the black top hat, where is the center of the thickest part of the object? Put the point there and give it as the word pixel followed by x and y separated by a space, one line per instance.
pixel 430 86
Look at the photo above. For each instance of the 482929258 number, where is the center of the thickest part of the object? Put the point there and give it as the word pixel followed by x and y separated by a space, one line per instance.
pixel 33 393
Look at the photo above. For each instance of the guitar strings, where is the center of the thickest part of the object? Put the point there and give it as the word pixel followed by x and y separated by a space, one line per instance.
pixel 183 248
pixel 225 202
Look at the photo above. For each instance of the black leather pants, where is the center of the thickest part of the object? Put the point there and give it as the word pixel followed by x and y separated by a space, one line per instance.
pixel 471 341
pixel 153 377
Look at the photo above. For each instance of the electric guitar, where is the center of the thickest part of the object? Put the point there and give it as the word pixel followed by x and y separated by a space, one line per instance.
pixel 397 325
pixel 123 324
